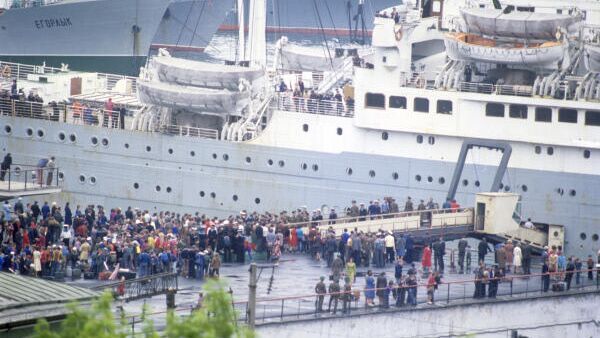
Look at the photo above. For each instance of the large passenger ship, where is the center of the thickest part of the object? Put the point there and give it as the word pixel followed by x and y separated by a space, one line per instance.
pixel 401 135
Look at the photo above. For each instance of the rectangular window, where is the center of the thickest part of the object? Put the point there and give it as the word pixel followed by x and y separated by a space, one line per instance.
pixel 444 107
pixel 517 111
pixel 374 100
pixel 494 109
pixel 421 105
pixel 592 118
pixel 543 114
pixel 397 102
pixel 567 115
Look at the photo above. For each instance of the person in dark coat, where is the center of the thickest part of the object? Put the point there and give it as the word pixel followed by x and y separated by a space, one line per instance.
pixel 381 284
pixel 482 250
pixel 545 276
pixel 569 275
pixel 5 166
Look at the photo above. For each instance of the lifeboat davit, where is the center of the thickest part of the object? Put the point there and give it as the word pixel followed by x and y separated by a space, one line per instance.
pixel 592 57
pixel 472 47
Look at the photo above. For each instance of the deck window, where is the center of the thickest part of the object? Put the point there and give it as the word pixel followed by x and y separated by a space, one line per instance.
pixel 543 114
pixel 421 105
pixel 444 107
pixel 397 102
pixel 374 100
pixel 494 109
pixel 592 118
pixel 567 115
pixel 517 111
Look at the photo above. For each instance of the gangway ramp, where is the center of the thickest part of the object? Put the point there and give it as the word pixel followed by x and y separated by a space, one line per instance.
pixel 26 180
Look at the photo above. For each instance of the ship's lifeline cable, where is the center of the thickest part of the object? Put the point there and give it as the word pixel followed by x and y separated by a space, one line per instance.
pixel 318 17
pixel 186 21
pixel 197 23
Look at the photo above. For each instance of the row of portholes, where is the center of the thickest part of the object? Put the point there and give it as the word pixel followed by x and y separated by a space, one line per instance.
pixel 549 150
pixel 583 237
pixel 235 198
pixel 430 139
pixel 94 140
pixel 82 179
pixel 441 180
pixel 157 188
pixel 561 192
pixel 41 133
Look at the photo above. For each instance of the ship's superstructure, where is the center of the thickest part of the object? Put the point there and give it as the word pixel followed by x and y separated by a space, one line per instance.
pixel 397 132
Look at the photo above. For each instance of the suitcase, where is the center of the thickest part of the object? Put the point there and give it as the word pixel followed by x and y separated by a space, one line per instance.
pixel 88 275
pixel 104 275
pixel 75 274
pixel 559 286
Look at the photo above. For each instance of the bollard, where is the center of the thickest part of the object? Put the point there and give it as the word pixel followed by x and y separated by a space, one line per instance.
pixel 171 298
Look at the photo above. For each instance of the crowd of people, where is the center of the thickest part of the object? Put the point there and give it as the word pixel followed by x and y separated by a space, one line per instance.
pixel 300 99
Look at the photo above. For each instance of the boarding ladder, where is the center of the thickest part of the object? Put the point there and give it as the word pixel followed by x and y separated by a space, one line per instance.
pixel 344 71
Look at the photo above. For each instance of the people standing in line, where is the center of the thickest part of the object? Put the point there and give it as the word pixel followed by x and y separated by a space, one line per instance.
pixel 334 294
pixel 426 261
pixel 351 270
pixel 482 250
pixel 320 291
pixel 369 289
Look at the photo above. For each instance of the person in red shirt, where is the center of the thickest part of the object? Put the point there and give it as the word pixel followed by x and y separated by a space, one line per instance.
pixel 454 206
pixel 426 260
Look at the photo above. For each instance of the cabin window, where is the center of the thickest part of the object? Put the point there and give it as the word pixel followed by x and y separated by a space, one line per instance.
pixel 517 111
pixel 592 118
pixel 444 107
pixel 525 9
pixel 494 109
pixel 421 105
pixel 374 100
pixel 397 102
pixel 543 114
pixel 567 115
pixel 559 11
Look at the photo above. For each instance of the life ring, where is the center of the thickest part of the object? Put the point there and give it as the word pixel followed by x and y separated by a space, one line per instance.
pixel 6 71
pixel 398 33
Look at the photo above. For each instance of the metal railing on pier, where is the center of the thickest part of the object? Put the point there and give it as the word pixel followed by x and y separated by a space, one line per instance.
pixel 24 178
pixel 142 287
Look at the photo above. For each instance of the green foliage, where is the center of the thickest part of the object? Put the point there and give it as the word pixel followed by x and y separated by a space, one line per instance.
pixel 216 319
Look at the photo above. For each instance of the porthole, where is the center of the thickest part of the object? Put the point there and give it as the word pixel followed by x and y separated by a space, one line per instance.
pixel 304 166
pixel 235 198
pixel 136 185
pixel 595 237
pixel 586 154
pixel 41 133
pixel 8 129
pixel 419 139
pixel 385 135
pixel 305 127
pixel 550 151
pixel 94 140
pixel 157 188
pixel 202 194
pixel 61 176
pixel 281 163
pixel 583 236
pixel 560 191
pixel 81 178
pixel 92 180
pixel 17 171
pixel 507 188
pixel 126 145
pixel 192 153
pixel 339 131
pixel 148 148
pixel 501 185
pixel 538 149
pixel 395 176
pixel 213 195
pixel 248 159
pixel 372 173
pixel 170 151
pixel 214 156
pixel 431 140
pixel 524 188
pixel 225 157
pixel 572 192
pixel 418 178
pixel 441 180
pixel 477 184
pixel 555 234
pixel 270 162
pixel 257 200
pixel 349 171
pixel 429 179
pixel 62 136
pixel 315 167
pixel 169 189
pixel 73 138
pixel 465 182
pixel 29 132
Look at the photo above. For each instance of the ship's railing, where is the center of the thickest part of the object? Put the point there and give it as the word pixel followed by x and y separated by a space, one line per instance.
pixel 300 104
pixel 488 88
pixel 22 177
pixel 190 131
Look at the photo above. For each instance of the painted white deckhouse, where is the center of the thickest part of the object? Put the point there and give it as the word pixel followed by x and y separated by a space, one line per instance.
pixel 402 139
